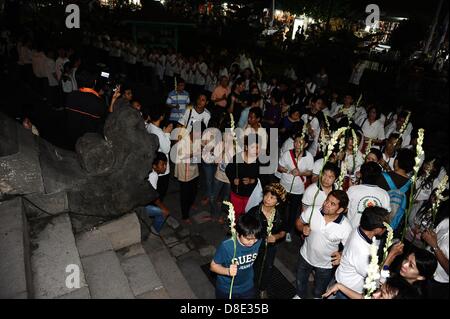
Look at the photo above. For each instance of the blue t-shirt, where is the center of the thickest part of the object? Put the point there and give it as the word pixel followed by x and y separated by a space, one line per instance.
pixel 245 256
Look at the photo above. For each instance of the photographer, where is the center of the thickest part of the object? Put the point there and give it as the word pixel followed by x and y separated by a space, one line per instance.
pixel 123 95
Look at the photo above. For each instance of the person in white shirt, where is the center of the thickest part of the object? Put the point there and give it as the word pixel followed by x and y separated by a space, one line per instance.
pixel 59 64
pixel 319 163
pixel 157 209
pixel 315 196
pixel 346 111
pixel 438 240
pixel 245 62
pixel 395 127
pixel 373 128
pixel 367 194
pixel 200 72
pixel 196 114
pixel 295 167
pixel 390 152
pixel 355 259
pixel 324 230
pixel 154 127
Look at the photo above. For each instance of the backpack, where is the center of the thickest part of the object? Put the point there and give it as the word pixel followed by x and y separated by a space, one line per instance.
pixel 398 200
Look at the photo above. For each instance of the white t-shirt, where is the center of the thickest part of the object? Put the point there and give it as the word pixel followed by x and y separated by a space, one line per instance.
pixel 59 66
pixel 389 160
pixel 442 235
pixel 363 196
pixel 324 239
pixel 348 112
pixel 200 74
pixel 204 117
pixel 153 179
pixel 50 70
pixel 164 142
pixel 355 261
pixel 374 130
pixel 406 136
pixel 304 163
pixel 310 193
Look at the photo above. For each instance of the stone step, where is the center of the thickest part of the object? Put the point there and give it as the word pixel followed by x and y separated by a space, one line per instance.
pixel 104 272
pixel 15 264
pixel 140 271
pixel 123 232
pixel 175 284
pixel 53 258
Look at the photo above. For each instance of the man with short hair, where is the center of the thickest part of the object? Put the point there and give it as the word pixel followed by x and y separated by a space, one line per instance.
pixel 324 230
pixel 156 118
pixel 367 194
pixel 178 101
pixel 122 98
pixel 196 114
pixel 320 190
pixel 355 259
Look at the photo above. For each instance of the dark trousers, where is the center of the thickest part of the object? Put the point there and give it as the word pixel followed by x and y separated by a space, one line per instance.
pixel 163 185
pixel 321 279
pixel 294 205
pixel 263 272
pixel 188 192
pixel 250 294
pixel 437 290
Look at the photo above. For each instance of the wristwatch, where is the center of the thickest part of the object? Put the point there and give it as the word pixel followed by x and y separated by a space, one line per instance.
pixel 435 249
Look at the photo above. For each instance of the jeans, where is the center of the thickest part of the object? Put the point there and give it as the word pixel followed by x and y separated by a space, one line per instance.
pixel 156 212
pixel 209 170
pixel 250 294
pixel 294 208
pixel 322 278
pixel 218 186
pixel 341 296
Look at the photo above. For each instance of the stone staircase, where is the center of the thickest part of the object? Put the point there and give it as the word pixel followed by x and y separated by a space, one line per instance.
pixel 41 258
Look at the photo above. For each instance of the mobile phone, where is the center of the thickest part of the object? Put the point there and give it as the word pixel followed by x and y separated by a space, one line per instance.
pixel 105 75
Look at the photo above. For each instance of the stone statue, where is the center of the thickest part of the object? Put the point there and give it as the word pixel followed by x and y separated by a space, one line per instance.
pixel 106 178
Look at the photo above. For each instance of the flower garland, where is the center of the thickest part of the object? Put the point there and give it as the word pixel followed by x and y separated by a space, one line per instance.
pixel 304 130
pixel 368 148
pixel 334 138
pixel 340 181
pixel 355 150
pixel 389 242
pixel 438 197
pixel 373 273
pixel 233 133
pixel 232 219
pixel 405 124
pixel 419 154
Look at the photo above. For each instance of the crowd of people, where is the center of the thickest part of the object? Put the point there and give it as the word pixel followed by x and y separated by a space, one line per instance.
pixel 345 166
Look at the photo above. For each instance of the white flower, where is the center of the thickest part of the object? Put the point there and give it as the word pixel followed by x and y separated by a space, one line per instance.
pixel 231 218
pixel 373 273
pixel 438 195
pixel 340 181
pixel 368 147
pixel 405 124
pixel 390 236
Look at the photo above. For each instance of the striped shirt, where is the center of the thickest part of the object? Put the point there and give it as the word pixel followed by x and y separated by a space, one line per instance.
pixel 178 98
